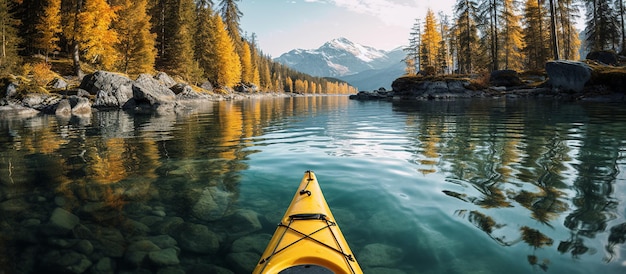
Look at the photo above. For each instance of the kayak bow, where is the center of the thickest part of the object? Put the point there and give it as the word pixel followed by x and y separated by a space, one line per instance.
pixel 308 239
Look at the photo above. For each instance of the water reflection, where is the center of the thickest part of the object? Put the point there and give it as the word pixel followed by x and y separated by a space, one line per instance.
pixel 197 190
pixel 550 163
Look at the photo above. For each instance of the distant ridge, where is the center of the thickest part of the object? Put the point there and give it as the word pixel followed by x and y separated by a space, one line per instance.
pixel 362 66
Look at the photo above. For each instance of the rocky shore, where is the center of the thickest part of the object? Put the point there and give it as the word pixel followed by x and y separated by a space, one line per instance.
pixel 103 90
pixel 564 80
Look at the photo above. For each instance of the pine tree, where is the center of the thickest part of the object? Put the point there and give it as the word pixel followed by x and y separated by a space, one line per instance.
pixel 413 50
pixel 511 36
pixel 49 27
pixel 467 34
pixel 443 56
pixel 178 56
pixel 94 35
pixel 9 39
pixel 490 14
pixel 136 44
pixel 601 27
pixel 621 8
pixel 535 49
pixel 567 11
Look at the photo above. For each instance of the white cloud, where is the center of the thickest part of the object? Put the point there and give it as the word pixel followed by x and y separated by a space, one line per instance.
pixel 390 12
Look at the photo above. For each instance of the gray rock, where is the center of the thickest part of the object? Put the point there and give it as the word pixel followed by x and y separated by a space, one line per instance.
pixel 243 262
pixel 138 251
pixel 242 222
pixel 165 257
pixel 43 102
pixel 211 204
pixel 163 241
pixel 505 78
pixel 380 255
pixel 80 105
pixel 165 79
pixel 11 90
pixel 14 205
pixel 63 108
pixel 84 247
pixel 197 238
pixel 103 266
pixel 17 111
pixel 568 75
pixel 65 262
pixel 148 90
pixel 253 243
pixel 169 225
pixel 208 268
pixel 58 83
pixel 63 221
pixel 111 90
pixel 207 86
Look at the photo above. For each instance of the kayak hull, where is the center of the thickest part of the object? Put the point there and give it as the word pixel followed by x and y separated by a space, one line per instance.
pixel 308 239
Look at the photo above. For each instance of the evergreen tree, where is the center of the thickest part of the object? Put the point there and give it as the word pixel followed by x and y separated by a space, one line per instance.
pixel 621 10
pixel 511 36
pixel 49 27
pixel 178 56
pixel 490 14
pixel 601 26
pixel 567 12
pixel 443 56
pixel 136 44
pixel 232 15
pixel 467 34
pixel 413 50
pixel 9 39
pixel 535 49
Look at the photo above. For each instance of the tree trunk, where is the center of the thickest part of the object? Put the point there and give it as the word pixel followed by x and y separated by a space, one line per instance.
pixel 555 42
pixel 621 12
pixel 75 44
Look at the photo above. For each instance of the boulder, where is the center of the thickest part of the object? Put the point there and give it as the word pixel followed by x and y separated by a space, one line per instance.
pixel 415 87
pixel 80 105
pixel 63 221
pixel 65 262
pixel 147 89
pixel 58 83
pixel 253 243
pixel 45 103
pixel 207 86
pixel 164 257
pixel 212 204
pixel 63 108
pixel 568 75
pixel 604 56
pixel 111 90
pixel 505 78
pixel 165 79
pixel 243 262
pixel 197 238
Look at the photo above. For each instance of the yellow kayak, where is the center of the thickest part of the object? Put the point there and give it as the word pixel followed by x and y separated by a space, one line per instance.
pixel 308 239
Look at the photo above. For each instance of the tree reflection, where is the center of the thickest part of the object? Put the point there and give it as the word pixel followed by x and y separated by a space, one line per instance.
pixel 512 154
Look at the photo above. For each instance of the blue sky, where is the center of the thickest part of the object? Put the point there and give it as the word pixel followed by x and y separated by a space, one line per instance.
pixel 283 25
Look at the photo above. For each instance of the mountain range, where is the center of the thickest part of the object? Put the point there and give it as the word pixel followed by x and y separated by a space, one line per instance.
pixel 362 66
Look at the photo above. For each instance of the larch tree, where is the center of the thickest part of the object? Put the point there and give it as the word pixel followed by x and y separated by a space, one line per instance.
pixel 247 70
pixel 9 39
pixel 220 62
pixel 93 33
pixel 49 27
pixel 511 36
pixel 431 39
pixel 467 34
pixel 136 44
pixel 179 54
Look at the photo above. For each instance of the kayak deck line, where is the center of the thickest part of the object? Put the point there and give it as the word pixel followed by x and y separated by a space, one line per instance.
pixel 308 236
pixel 312 235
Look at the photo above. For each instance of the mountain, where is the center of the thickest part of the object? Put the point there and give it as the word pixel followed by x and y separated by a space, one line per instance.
pixel 362 66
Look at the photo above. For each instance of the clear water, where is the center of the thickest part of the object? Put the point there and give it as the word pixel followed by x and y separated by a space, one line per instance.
pixel 430 187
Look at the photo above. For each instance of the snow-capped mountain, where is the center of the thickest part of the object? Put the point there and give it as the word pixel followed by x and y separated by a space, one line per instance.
pixel 342 58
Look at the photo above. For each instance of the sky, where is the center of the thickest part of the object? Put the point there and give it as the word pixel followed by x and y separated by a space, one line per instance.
pixel 283 25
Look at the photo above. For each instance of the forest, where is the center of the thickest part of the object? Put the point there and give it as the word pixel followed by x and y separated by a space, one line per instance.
pixel 521 35
pixel 196 41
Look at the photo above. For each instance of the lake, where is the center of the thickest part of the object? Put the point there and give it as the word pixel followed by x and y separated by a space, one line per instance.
pixel 480 186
